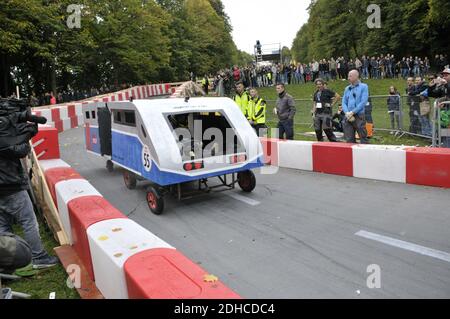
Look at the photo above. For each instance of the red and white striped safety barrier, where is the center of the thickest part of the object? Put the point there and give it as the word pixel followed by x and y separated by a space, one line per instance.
pixel 402 164
pixel 66 117
pixel 124 259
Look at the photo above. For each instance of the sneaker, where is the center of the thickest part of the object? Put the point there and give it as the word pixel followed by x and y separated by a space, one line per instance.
pixel 45 262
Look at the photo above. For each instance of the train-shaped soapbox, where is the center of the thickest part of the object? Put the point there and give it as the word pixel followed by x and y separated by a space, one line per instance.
pixel 171 142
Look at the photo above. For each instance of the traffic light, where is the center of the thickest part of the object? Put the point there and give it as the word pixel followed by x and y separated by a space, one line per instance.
pixel 258 47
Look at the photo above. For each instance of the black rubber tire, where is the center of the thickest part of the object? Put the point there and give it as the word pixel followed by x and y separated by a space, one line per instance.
pixel 155 201
pixel 130 179
pixel 110 166
pixel 247 181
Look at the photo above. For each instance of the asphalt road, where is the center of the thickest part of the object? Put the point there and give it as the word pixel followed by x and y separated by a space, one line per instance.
pixel 295 238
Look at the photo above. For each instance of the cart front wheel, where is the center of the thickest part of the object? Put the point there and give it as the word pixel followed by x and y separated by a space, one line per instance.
pixel 155 201
pixel 110 166
pixel 247 181
pixel 130 180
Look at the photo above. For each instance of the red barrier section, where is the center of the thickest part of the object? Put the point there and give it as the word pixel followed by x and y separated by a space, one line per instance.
pixel 71 111
pixel 59 126
pixel 84 212
pixel 428 166
pixel 55 115
pixel 56 175
pixel 270 148
pixel 333 158
pixel 74 122
pixel 47 144
pixel 168 274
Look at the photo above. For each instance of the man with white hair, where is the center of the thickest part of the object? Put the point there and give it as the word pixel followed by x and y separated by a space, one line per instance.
pixel 355 98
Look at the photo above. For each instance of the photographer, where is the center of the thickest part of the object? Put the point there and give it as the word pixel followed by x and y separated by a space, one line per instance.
pixel 15 203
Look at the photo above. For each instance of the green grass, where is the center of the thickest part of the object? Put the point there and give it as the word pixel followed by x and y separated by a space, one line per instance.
pixel 48 280
pixel 303 120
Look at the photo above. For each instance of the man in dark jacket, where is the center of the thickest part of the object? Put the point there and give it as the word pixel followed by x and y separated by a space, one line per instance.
pixel 414 107
pixel 285 110
pixel 15 203
pixel 440 88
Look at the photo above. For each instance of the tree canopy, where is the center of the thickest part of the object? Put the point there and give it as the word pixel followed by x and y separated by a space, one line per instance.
pixel 339 28
pixel 119 42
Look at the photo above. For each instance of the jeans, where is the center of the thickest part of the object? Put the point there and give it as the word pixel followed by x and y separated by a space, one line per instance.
pixel 425 124
pixel 359 125
pixel 395 117
pixel 445 141
pixel 286 126
pixel 17 208
pixel 405 73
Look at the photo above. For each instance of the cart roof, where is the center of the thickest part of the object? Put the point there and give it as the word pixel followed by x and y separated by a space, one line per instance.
pixel 202 104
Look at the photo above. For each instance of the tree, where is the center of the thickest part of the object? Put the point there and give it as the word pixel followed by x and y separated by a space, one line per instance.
pixel 338 28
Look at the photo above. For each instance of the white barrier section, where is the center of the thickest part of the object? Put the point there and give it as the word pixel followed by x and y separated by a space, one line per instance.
pixel 63 112
pixel 295 155
pixel 111 243
pixel 54 163
pixel 47 113
pixel 380 162
pixel 79 109
pixel 80 120
pixel 66 124
pixel 65 192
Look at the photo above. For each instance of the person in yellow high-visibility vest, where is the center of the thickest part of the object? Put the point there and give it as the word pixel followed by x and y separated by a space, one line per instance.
pixel 205 84
pixel 257 107
pixel 241 99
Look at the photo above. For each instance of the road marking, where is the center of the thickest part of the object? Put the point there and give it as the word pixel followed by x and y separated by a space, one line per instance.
pixel 422 250
pixel 244 199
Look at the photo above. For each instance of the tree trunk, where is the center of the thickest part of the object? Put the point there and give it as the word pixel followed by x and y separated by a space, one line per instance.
pixel 5 78
pixel 53 77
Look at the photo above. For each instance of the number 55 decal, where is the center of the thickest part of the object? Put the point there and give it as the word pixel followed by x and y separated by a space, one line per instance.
pixel 146 158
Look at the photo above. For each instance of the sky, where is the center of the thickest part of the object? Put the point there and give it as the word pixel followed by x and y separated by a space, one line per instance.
pixel 270 21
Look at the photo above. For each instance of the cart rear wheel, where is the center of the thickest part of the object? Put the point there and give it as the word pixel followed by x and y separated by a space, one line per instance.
pixel 247 181
pixel 110 166
pixel 155 201
pixel 130 179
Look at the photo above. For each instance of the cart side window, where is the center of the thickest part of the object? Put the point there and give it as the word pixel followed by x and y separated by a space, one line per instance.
pixel 130 118
pixel 143 131
pixel 117 116
pixel 124 117
pixel 93 115
pixel 88 116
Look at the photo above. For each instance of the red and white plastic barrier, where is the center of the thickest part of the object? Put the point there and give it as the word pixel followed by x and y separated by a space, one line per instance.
pixel 111 243
pixel 124 259
pixel 412 165
pixel 66 117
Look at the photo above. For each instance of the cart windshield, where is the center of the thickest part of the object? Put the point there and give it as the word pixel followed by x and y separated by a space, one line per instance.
pixel 204 134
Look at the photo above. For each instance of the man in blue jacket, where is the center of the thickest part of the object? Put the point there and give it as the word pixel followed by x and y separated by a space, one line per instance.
pixel 355 98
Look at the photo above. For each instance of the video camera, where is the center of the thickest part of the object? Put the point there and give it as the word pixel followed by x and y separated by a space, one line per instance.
pixel 17 124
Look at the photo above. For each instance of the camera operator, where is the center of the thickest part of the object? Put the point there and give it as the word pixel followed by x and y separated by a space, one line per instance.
pixel 15 203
